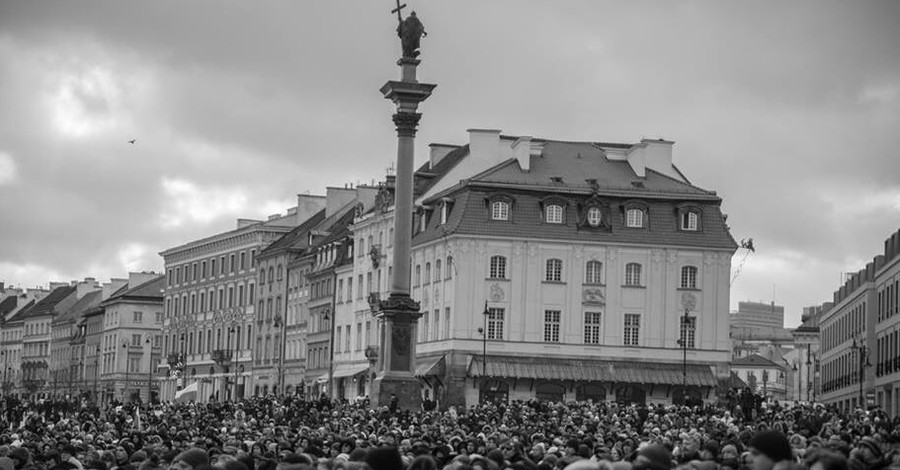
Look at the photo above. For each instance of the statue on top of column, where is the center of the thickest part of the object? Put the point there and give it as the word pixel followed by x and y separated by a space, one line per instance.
pixel 411 31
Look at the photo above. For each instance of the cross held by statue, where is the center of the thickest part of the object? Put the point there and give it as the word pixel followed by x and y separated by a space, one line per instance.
pixel 397 11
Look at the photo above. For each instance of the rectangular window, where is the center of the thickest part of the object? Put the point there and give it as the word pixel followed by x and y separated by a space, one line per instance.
pixel 136 340
pixel 337 341
pixel 203 269
pixel 592 327
pixel 688 331
pixel 631 335
pixel 554 214
pixel 495 323
pixel 424 335
pixel 551 326
pixel 554 270
pixel 340 291
pixel 689 277
pixel 222 265
pixel 497 267
pixel 347 338
pixel 499 210
pixel 368 332
pixel 632 274
pixel 243 260
pixel 446 322
pixel 358 335
pixel 212 267
pixel 159 317
pixel 592 272
pixel 138 317
pixel 437 325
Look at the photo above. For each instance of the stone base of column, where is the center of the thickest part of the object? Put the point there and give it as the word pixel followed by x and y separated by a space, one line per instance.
pixel 407 389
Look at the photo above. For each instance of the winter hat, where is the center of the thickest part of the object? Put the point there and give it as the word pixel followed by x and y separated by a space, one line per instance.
pixel 358 455
pixel 6 463
pixel 869 443
pixel 653 457
pixel 384 458
pixel 773 445
pixel 193 457
pixel 20 453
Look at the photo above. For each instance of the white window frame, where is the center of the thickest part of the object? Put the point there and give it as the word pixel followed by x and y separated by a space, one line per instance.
pixel 497 267
pixel 593 272
pixel 688 328
pixel 495 323
pixel 553 214
pixel 594 216
pixel 499 210
pixel 552 319
pixel 592 325
pixel 631 329
pixel 633 273
pixel 634 218
pixel 689 276
pixel 690 221
pixel 553 270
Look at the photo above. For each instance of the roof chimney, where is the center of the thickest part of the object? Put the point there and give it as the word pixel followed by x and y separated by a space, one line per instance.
pixel 522 150
pixel 438 152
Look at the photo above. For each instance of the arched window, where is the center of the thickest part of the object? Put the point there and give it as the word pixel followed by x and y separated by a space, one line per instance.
pixel 554 270
pixel 449 268
pixel 499 210
pixel 271 276
pixel 594 216
pixel 689 277
pixel 262 276
pixel 418 278
pixel 632 274
pixel 280 272
pixel 553 214
pixel 592 272
pixel 437 271
pixel 428 273
pixel 634 218
pixel 497 267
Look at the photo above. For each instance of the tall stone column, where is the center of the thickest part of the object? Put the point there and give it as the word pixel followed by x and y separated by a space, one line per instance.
pixel 400 313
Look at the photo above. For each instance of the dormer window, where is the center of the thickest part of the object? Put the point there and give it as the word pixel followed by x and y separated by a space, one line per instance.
pixel 689 221
pixel 499 210
pixel 594 216
pixel 445 205
pixel 553 214
pixel 634 218
pixel 689 218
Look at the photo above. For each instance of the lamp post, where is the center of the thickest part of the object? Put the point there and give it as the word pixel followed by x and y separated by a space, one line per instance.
pixel 326 318
pixel 684 347
pixel 863 354
pixel 125 387
pixel 765 384
pixel 797 370
pixel 484 334
pixel 97 375
pixel 808 370
pixel 231 334
pixel 150 371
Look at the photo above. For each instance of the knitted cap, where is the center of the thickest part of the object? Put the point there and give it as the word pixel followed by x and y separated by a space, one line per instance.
pixel 657 458
pixel 193 457
pixel 773 445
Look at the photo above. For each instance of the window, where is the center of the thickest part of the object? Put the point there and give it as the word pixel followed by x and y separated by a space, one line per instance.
pixel 437 271
pixel 495 323
pixel 634 218
pixel 594 216
pixel 449 268
pixel 262 276
pixel 437 325
pixel 159 317
pixel 498 267
pixel 350 288
pixel 632 329
pixel 688 331
pixel 554 270
pixel 428 273
pixel 551 326
pixel 592 272
pixel 231 265
pixel 689 221
pixel 138 317
pixel 243 260
pixel 337 341
pixel 553 214
pixel 592 327
pixel 418 278
pixel 499 210
pixel 358 335
pixel 632 274
pixel 689 277
pixel 347 337
pixel 446 322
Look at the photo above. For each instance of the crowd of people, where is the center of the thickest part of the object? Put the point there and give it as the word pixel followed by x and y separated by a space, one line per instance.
pixel 283 433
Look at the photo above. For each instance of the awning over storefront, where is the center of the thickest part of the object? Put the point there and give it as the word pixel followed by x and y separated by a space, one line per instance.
pixel 349 370
pixel 430 367
pixel 592 371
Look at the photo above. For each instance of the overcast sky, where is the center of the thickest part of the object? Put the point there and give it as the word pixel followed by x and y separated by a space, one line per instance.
pixel 790 110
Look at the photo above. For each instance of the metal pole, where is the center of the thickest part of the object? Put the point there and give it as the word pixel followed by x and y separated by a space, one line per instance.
pixel 97 375
pixel 484 341
pixel 150 374
pixel 862 372
pixel 684 353
pixel 808 370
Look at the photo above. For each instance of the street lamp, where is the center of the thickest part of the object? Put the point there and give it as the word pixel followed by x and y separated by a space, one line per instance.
pixel 684 347
pixel 483 330
pixel 808 370
pixel 150 371
pixel 765 384
pixel 797 368
pixel 231 333
pixel 97 375
pixel 125 387
pixel 325 317
pixel 863 353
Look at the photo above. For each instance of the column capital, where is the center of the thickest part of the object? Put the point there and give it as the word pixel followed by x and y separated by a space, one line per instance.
pixel 406 123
